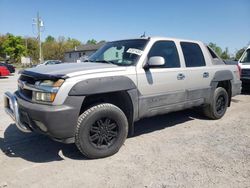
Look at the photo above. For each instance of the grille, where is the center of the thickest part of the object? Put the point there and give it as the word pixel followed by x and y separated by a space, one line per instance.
pixel 25 93
pixel 245 72
pixel 28 79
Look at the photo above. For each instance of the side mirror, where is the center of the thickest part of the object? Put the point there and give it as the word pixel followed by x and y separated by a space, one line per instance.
pixel 155 61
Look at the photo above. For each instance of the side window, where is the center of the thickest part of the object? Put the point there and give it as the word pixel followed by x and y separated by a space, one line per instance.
pixel 192 54
pixel 246 57
pixel 212 53
pixel 168 51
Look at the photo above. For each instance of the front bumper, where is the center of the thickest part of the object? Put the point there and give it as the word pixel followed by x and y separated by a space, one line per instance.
pixel 11 108
pixel 56 121
pixel 245 80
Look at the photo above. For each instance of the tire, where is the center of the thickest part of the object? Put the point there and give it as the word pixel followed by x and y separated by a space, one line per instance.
pixel 101 131
pixel 219 104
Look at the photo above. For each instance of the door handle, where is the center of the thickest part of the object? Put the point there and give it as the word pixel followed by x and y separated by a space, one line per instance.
pixel 180 76
pixel 205 75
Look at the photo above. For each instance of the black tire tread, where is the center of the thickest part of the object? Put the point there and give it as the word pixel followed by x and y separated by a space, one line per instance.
pixel 86 114
pixel 208 109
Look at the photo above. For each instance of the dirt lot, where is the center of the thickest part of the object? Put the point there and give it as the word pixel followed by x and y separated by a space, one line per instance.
pixel 176 150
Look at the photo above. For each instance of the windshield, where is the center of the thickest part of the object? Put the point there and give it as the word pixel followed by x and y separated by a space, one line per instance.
pixel 246 57
pixel 123 53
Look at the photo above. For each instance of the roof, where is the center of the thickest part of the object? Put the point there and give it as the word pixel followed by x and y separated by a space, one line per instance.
pixel 155 38
pixel 92 47
pixel 175 39
pixel 87 47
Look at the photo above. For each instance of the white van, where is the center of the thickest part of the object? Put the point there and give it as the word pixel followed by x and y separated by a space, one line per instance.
pixel 244 64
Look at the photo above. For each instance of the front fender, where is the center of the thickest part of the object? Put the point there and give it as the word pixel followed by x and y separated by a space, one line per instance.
pixel 102 85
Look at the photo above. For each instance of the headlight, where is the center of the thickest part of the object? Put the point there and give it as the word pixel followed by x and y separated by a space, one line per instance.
pixel 46 90
pixel 43 97
pixel 50 83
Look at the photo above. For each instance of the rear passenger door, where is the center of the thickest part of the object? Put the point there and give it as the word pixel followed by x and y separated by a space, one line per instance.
pixel 197 74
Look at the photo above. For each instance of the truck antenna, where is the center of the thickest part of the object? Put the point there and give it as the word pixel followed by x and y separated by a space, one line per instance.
pixel 144 35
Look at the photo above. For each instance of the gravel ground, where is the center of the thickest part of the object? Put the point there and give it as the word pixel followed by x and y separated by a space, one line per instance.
pixel 180 149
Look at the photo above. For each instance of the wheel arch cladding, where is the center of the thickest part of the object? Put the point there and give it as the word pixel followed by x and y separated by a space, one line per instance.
pixel 110 85
pixel 222 76
pixel 223 79
pixel 102 85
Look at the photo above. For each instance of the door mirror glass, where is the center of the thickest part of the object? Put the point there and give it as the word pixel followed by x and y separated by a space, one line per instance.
pixel 156 61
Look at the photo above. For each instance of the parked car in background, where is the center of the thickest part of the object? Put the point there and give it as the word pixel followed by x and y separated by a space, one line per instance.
pixel 4 71
pixel 244 64
pixel 10 67
pixel 50 62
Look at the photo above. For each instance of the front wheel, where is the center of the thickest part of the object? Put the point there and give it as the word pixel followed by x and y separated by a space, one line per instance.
pixel 219 104
pixel 101 130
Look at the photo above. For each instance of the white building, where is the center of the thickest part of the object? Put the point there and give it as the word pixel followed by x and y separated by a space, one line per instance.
pixel 81 51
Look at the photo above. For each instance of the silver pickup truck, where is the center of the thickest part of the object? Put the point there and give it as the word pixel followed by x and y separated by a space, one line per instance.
pixel 95 104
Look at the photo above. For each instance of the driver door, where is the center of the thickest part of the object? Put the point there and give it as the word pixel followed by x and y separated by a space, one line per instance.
pixel 161 88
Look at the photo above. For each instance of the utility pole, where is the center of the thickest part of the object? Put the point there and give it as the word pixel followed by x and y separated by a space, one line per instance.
pixel 39 24
pixel 26 42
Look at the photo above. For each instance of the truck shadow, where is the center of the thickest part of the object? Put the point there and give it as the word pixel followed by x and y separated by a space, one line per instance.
pixel 35 147
pixel 41 149
pixel 156 123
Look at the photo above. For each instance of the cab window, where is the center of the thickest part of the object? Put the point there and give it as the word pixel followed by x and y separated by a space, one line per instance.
pixel 192 54
pixel 167 50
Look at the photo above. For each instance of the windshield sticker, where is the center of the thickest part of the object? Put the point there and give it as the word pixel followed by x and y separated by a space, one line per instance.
pixel 134 51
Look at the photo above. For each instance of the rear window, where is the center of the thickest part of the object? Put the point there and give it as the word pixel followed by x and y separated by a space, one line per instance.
pixel 192 54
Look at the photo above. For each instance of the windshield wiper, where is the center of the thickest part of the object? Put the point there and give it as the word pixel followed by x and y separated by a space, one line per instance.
pixel 87 60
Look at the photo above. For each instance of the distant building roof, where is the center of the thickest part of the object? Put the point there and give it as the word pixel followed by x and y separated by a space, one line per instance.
pixel 87 47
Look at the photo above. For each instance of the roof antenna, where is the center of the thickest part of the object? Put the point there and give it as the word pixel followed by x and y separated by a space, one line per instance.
pixel 144 35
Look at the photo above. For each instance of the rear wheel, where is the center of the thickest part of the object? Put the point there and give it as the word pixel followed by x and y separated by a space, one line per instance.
pixel 219 104
pixel 101 130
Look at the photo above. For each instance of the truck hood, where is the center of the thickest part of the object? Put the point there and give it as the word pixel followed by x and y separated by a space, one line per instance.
pixel 245 65
pixel 71 69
